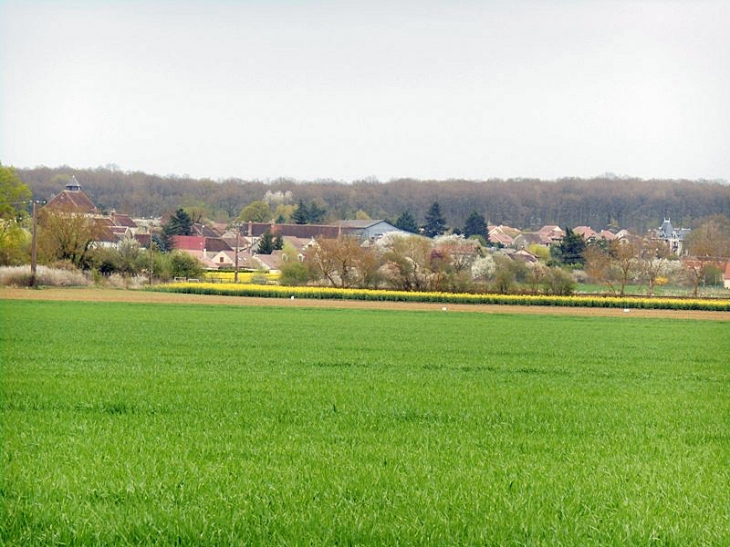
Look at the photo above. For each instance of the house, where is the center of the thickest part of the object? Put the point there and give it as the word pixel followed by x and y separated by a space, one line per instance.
pixel 502 235
pixel 550 234
pixel 726 276
pixel 673 237
pixel 110 230
pixel 223 259
pixel 586 231
pixel 526 239
pixel 606 235
pixel 523 256
pixel 368 230
pixel 72 199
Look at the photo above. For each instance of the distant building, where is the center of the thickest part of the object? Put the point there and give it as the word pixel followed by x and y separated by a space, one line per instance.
pixel 368 230
pixel 673 237
pixel 110 230
pixel 72 199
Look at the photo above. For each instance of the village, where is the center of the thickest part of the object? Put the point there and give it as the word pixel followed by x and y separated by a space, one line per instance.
pixel 270 247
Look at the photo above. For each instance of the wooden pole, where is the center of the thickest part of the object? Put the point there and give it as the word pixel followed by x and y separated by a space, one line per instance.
pixel 238 233
pixel 34 248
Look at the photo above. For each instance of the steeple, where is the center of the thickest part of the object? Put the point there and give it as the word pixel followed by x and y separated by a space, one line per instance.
pixel 73 185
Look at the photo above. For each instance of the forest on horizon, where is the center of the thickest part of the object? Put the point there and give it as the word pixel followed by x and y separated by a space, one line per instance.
pixel 527 204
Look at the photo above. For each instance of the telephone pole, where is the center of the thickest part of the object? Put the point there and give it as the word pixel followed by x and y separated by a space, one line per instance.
pixel 34 248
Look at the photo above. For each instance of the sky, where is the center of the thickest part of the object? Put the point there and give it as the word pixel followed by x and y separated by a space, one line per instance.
pixel 342 90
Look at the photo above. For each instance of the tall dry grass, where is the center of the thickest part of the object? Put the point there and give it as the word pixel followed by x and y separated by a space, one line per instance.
pixel 20 276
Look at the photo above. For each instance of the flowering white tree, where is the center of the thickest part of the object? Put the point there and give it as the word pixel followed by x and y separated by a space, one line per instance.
pixel 483 268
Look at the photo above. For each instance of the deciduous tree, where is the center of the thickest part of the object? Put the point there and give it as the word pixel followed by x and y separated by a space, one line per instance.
pixel 257 211
pixel 14 197
pixel 67 236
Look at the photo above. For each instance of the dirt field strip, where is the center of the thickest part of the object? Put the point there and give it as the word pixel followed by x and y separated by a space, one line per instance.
pixel 120 295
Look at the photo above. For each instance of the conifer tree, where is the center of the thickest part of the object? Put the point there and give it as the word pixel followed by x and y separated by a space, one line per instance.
pixel 266 244
pixel 407 222
pixel 435 222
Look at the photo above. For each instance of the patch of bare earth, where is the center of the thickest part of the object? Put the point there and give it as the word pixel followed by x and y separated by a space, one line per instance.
pixel 120 295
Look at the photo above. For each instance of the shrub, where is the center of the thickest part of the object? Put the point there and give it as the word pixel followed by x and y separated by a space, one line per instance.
pixel 559 282
pixel 294 274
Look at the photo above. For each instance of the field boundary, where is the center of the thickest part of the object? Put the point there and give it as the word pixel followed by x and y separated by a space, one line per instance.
pixel 149 297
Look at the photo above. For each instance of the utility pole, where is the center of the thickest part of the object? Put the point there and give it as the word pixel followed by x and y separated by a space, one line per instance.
pixel 238 233
pixel 34 248
pixel 152 259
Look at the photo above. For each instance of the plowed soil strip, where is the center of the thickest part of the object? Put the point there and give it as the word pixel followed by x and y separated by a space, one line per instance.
pixel 120 295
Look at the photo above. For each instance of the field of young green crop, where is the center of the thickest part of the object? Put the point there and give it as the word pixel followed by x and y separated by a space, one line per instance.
pixel 127 424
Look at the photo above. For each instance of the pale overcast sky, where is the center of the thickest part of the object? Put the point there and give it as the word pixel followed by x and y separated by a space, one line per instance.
pixel 348 90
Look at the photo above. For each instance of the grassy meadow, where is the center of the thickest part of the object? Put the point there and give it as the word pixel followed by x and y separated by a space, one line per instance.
pixel 127 424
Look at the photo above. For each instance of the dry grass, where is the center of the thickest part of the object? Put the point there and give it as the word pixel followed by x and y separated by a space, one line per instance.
pixel 20 276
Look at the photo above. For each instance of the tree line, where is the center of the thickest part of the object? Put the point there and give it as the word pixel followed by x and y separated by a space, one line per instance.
pixel 528 204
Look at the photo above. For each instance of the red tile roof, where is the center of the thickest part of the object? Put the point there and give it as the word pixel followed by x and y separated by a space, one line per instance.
pixel 73 201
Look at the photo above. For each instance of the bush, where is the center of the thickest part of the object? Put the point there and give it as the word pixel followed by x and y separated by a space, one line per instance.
pixel 559 282
pixel 294 274
pixel 184 265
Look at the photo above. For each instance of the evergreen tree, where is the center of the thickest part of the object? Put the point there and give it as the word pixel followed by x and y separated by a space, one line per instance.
pixel 308 214
pixel 476 226
pixel 300 214
pixel 278 242
pixel 571 250
pixel 266 244
pixel 407 222
pixel 316 213
pixel 179 224
pixel 435 222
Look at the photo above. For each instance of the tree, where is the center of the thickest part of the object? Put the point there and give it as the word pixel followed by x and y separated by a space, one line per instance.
pixel 624 257
pixel 316 213
pixel 340 260
pixel 184 265
pixel 179 224
pixel 406 260
pixel 407 222
pixel 558 282
pixel 710 239
pixel 570 250
pixel 483 268
pixel 435 222
pixel 67 236
pixel 294 273
pixel 14 195
pixel 709 245
pixel 257 211
pixel 300 214
pixel 653 257
pixel 127 259
pixel 266 244
pixel 476 226
pixel 278 242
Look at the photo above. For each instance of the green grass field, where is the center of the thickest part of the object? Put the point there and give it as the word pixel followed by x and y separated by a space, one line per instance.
pixel 200 425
